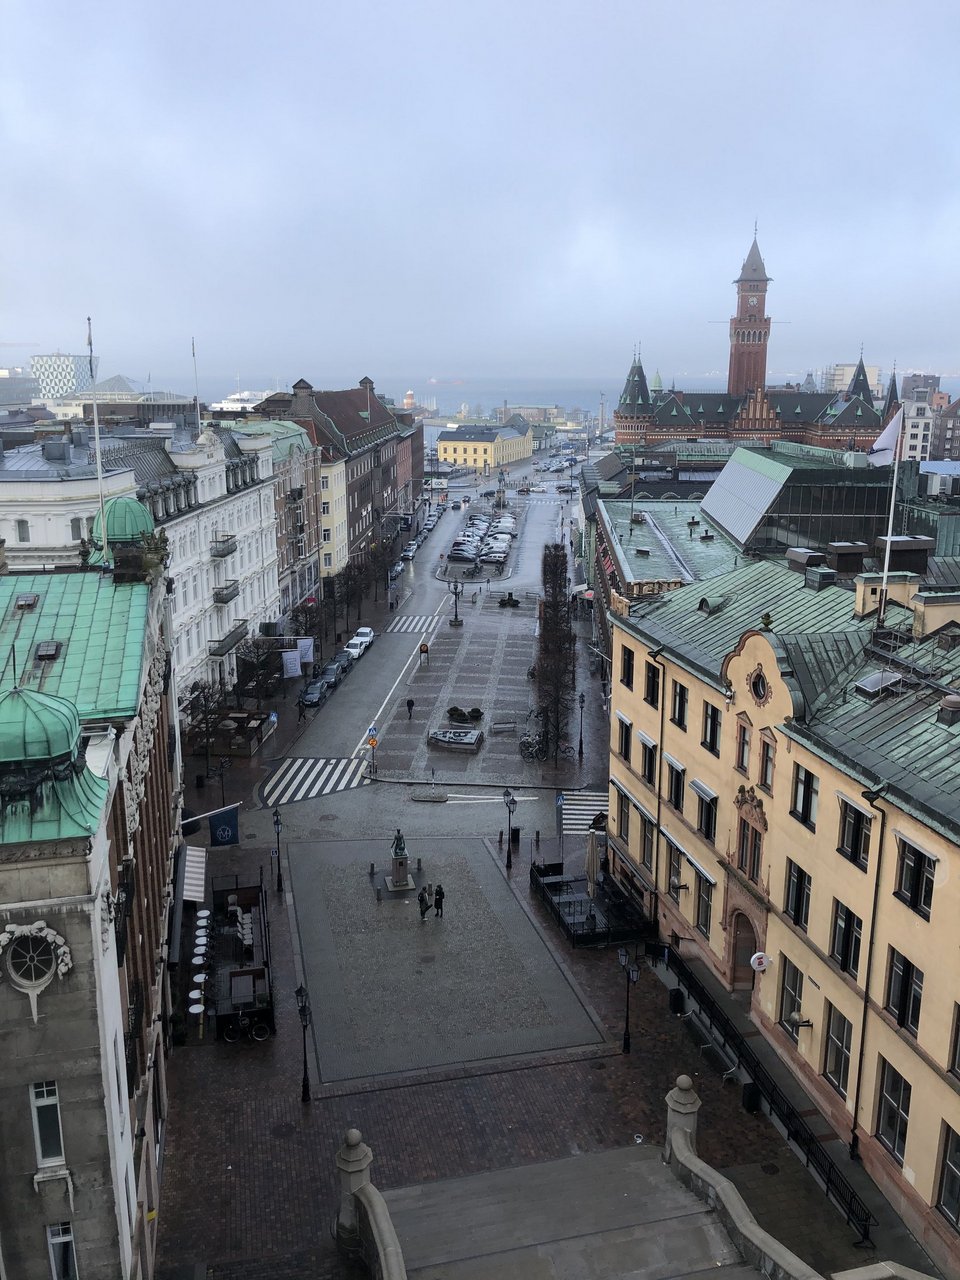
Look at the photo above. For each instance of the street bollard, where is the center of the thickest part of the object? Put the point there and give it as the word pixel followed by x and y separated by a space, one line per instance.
pixel 373 869
pixel 379 894
pixel 419 864
pixel 537 838
pixel 500 838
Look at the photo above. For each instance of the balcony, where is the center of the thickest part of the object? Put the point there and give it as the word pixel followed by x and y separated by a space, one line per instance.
pixel 229 591
pixel 295 495
pixel 220 648
pixel 223 545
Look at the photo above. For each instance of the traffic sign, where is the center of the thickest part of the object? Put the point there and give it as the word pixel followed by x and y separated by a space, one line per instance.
pixel 371 742
pixel 372 731
pixel 424 648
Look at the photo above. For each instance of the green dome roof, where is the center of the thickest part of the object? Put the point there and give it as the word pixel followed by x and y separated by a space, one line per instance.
pixel 36 726
pixel 127 521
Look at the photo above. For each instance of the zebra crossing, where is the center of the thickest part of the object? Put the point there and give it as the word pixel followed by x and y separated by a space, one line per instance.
pixel 579 810
pixel 414 622
pixel 304 777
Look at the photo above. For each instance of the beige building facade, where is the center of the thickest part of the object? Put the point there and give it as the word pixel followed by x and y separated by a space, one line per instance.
pixel 484 448
pixel 785 784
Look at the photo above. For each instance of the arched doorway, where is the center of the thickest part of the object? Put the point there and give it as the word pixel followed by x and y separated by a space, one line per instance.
pixel 744 946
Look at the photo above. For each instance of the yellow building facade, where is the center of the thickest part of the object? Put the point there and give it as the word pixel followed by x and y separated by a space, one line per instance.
pixel 485 449
pixel 785 782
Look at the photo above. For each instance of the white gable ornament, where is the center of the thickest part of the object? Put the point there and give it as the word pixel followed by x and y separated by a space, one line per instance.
pixel 32 954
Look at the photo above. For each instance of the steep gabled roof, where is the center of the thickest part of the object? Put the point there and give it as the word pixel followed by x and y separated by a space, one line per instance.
pixel 671 412
pixel 860 384
pixel 853 413
pixel 635 397
pixel 753 271
pixel 892 403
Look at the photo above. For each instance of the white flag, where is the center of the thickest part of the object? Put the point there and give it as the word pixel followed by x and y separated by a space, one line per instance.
pixel 305 645
pixel 291 664
pixel 882 451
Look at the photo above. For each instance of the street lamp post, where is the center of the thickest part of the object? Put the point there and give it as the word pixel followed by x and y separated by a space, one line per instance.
pixel 583 698
pixel 278 827
pixel 632 973
pixel 303 1008
pixel 456 589
pixel 510 800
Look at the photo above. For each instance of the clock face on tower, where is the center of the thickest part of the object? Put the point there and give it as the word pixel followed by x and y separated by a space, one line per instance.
pixel 752 300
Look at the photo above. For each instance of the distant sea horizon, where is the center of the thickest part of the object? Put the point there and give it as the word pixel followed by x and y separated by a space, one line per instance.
pixel 483 395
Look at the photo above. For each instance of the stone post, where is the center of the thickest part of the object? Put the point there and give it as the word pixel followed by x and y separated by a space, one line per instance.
pixel 353 1164
pixel 682 1107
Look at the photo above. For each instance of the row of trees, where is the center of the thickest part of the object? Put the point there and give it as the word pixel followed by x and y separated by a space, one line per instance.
pixel 556 655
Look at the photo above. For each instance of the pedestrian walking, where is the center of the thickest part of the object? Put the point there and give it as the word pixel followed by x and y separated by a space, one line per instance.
pixel 409 708
pixel 424 902
pixel 301 710
pixel 438 897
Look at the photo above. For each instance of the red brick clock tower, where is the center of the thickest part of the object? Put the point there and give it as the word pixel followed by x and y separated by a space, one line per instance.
pixel 749 328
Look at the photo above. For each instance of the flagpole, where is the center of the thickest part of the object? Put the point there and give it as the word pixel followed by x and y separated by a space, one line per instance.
pixel 893 505
pixel 96 446
pixel 196 381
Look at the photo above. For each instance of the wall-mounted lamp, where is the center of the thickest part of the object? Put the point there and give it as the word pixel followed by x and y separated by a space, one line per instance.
pixel 677 887
pixel 796 1019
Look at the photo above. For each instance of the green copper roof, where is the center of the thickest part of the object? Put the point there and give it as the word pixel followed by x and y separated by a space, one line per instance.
pixel 763 595
pixel 127 521
pixel 100 627
pixel 36 726
pixel 286 436
pixel 66 809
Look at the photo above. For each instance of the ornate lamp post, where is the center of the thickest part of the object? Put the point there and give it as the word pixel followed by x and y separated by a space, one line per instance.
pixel 583 698
pixel 632 973
pixel 303 1008
pixel 456 590
pixel 278 827
pixel 509 799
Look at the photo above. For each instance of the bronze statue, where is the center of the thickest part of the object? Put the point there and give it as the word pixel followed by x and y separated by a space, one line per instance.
pixel 399 845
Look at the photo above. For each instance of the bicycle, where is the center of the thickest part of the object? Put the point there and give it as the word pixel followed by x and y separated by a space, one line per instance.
pixel 242 1025
pixel 533 746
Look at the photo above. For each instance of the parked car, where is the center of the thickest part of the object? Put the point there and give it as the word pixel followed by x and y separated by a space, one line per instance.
pixel 356 648
pixel 366 634
pixel 396 571
pixel 345 658
pixel 466 554
pixel 316 692
pixel 409 552
pixel 332 673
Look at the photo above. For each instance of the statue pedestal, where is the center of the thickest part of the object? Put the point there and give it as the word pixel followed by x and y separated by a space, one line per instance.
pixel 400 880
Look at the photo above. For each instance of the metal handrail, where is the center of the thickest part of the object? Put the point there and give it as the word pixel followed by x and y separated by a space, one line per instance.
pixel 836 1186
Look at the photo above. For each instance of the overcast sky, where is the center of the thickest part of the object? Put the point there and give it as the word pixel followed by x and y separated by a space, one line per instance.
pixel 407 188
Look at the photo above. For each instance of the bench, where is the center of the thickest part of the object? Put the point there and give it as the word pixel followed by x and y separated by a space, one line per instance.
pixel 504 724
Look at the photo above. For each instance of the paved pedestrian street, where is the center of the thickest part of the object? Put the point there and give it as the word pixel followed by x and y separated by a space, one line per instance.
pixel 401 993
pixel 249 1186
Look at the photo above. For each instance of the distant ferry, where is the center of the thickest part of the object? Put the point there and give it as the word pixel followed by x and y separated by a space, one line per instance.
pixel 240 401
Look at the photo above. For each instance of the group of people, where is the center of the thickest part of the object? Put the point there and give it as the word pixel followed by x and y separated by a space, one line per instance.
pixel 423 898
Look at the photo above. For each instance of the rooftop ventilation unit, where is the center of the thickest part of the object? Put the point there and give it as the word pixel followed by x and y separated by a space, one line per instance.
pixel 819 576
pixel 949 710
pixel 641 551
pixel 707 537
pixel 47 650
pixel 27 601
pixel 881 684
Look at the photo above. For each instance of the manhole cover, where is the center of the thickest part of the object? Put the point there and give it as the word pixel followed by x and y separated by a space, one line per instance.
pixel 769 1168
pixel 282 1130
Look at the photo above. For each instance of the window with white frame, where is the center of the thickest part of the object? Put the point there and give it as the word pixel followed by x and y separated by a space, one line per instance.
pixel 63 1257
pixel 704 904
pixel 948 1197
pixel 47 1134
pixel 791 996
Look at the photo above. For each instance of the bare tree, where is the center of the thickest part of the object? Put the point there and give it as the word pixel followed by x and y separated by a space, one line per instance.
pixel 308 620
pixel 353 576
pixel 556 679
pixel 205 709
pixel 262 658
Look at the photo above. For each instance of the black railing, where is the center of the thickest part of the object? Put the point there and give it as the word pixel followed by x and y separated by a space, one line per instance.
pixel 131 1041
pixel 606 919
pixel 716 1024
pixel 123 906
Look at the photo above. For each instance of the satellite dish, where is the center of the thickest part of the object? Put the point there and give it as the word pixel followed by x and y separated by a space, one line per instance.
pixel 759 962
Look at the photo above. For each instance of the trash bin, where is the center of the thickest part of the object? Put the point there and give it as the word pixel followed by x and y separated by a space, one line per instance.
pixel 751 1098
pixel 677 1000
